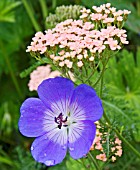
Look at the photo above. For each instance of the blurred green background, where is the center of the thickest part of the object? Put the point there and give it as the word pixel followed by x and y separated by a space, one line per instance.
pixel 19 20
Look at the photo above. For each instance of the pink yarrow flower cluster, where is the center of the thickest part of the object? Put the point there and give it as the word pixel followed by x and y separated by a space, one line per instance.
pixel 40 74
pixel 73 42
pixel 115 144
pixel 105 15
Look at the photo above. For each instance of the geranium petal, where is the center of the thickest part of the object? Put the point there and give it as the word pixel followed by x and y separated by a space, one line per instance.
pixel 81 135
pixel 48 151
pixel 85 104
pixel 32 117
pixel 56 94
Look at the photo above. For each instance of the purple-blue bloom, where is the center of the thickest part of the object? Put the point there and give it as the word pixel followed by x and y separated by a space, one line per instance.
pixel 61 119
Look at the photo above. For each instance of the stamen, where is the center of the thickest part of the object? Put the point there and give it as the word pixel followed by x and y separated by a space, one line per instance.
pixel 59 126
pixel 60 121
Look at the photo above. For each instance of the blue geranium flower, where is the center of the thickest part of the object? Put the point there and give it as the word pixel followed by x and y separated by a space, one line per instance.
pixel 61 119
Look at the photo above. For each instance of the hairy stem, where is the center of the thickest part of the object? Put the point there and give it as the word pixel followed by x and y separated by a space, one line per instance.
pixel 120 136
pixel 94 161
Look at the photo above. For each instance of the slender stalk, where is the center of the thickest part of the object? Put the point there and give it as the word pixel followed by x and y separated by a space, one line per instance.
pixel 107 139
pixel 94 161
pixel 6 160
pixel 78 78
pixel 93 71
pixel 91 74
pixel 127 143
pixel 85 70
pixel 138 8
pixel 101 89
pixel 31 15
pixel 83 163
pixel 44 10
pixel 11 70
pixel 101 75
pixel 78 75
pixel 68 75
pixel 86 74
pixel 54 4
pixel 79 162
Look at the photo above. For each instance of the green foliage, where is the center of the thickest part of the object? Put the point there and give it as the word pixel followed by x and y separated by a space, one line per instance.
pixel 4 159
pixel 123 80
pixel 123 84
pixel 8 115
pixel 70 163
pixel 27 71
pixel 133 23
pixel 7 13
pixel 12 34
pixel 127 162
pixel 24 160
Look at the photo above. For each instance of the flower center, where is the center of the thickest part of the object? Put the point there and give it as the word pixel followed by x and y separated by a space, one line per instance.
pixel 61 121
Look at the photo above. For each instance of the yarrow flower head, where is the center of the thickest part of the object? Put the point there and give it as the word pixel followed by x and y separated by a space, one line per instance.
pixel 61 119
pixel 62 13
pixel 74 43
pixel 40 74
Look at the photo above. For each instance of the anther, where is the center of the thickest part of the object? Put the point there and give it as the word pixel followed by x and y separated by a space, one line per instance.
pixel 59 120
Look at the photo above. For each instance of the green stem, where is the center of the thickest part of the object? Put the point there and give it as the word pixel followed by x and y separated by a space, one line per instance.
pixel 78 78
pixel 6 160
pixel 44 10
pixel 78 75
pixel 85 71
pixel 120 136
pixel 53 4
pixel 127 143
pixel 83 163
pixel 94 161
pixel 31 15
pixel 11 70
pixel 101 89
pixel 86 75
pixel 138 8
pixel 92 72
pixel 101 75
